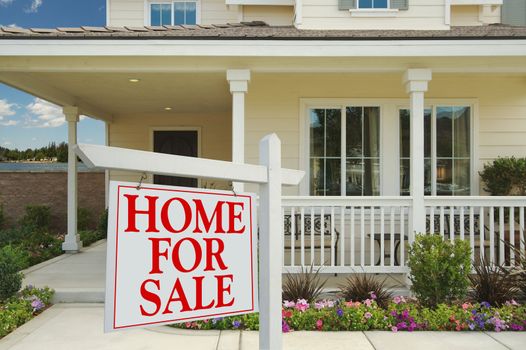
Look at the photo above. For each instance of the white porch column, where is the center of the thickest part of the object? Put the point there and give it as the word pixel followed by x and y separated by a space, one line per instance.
pixel 416 81
pixel 72 242
pixel 238 79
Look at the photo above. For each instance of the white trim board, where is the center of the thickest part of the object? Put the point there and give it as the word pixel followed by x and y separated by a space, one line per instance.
pixel 268 48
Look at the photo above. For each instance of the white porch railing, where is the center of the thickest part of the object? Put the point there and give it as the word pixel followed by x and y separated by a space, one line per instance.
pixel 372 234
pixel 494 226
pixel 346 234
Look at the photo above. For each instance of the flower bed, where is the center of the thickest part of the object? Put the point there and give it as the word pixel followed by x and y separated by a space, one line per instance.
pixel 22 307
pixel 401 314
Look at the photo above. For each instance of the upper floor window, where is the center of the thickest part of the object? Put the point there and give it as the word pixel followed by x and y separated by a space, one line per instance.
pixel 373 4
pixel 173 13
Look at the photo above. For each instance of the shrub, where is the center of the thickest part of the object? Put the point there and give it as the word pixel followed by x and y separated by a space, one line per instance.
pixel 361 287
pixel 12 260
pixel 439 269
pixel 304 285
pixel 41 246
pixel 83 219
pixel 37 217
pixel 103 224
pixel 89 237
pixel 493 284
pixel 505 176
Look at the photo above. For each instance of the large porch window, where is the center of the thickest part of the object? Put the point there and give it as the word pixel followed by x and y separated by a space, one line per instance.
pixel 344 151
pixel 447 151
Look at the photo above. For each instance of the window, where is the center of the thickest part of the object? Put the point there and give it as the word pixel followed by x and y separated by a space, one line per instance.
pixel 447 150
pixel 373 4
pixel 174 13
pixel 344 151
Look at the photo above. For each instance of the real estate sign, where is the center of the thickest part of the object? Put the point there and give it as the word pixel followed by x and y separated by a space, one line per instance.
pixel 178 254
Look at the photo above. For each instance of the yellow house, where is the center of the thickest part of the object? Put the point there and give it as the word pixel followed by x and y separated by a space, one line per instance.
pixel 391 107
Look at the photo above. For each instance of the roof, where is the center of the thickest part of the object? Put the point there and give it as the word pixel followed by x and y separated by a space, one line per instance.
pixel 258 30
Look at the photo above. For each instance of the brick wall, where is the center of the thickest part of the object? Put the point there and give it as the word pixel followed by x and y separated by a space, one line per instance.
pixel 19 189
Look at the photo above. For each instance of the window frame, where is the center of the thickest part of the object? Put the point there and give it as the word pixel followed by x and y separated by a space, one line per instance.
pixel 389 139
pixel 388 6
pixel 433 104
pixel 148 10
pixel 305 155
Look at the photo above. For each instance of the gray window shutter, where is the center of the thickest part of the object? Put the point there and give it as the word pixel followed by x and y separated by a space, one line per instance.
pixel 400 4
pixel 347 4
pixel 514 12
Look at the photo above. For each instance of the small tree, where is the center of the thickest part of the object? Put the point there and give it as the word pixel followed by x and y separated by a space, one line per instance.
pixel 505 177
pixel 439 269
pixel 12 260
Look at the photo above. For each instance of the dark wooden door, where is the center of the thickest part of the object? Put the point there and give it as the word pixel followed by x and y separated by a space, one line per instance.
pixel 180 142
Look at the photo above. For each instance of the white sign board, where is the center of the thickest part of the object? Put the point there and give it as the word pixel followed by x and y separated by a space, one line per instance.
pixel 178 254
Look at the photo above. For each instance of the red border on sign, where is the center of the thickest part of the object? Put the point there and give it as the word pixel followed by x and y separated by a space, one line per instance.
pixel 186 318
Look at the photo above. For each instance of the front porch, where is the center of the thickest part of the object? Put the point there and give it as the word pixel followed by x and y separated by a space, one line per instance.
pixel 391 140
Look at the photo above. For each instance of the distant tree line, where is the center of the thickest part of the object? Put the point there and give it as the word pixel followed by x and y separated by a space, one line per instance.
pixel 51 152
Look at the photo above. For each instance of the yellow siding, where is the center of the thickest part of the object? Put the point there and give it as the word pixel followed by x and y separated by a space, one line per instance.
pixel 273 105
pixel 215 11
pixel 126 13
pixel 133 131
pixel 474 15
pixel 422 14
pixel 273 15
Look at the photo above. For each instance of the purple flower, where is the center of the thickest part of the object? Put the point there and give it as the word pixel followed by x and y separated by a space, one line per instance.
pixel 368 315
pixel 516 327
pixel 372 295
pixel 471 326
pixel 236 323
pixel 285 328
pixel 394 329
pixel 37 304
pixel 405 313
pixel 339 312
pixel 485 304
pixel 394 313
pixel 217 319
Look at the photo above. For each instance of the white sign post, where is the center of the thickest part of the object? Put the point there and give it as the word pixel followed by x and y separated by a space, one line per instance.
pixel 269 174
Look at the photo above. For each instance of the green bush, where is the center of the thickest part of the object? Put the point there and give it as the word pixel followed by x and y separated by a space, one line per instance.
pixel 12 260
pixel 89 237
pixel 41 246
pixel 103 224
pixel 37 217
pixel 505 176
pixel 83 219
pixel 439 269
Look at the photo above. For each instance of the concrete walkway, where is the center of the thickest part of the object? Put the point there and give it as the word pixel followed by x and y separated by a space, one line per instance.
pixel 79 327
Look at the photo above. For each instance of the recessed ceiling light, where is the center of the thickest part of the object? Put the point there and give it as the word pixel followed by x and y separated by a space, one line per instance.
pixel 167 108
pixel 133 80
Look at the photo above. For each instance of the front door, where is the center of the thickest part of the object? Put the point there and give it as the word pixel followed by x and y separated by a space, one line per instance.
pixel 179 142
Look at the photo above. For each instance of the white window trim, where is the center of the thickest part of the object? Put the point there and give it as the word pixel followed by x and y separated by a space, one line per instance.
pixel 304 149
pixel 373 12
pixel 474 121
pixel 152 130
pixel 148 14
pixel 389 115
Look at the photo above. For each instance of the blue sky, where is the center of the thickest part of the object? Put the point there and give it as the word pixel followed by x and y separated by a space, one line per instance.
pixel 28 122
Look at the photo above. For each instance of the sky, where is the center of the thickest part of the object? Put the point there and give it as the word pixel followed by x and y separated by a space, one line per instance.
pixel 27 121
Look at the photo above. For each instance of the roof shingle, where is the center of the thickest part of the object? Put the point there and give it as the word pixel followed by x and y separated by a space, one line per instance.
pixel 260 30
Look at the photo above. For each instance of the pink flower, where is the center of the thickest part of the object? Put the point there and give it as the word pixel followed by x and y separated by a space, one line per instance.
pixel 319 324
pixel 302 305
pixel 394 329
pixel 372 295
pixel 397 300
pixel 368 315
pixel 319 305
pixel 287 303
pixel 368 302
pixel 465 306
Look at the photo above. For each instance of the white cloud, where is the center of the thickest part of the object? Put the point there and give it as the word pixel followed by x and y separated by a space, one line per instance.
pixel 6 109
pixel 44 115
pixel 33 8
pixel 6 2
pixel 9 122
pixel 7 143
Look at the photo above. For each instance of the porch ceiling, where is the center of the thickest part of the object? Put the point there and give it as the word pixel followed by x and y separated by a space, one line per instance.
pixel 100 86
pixel 104 95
